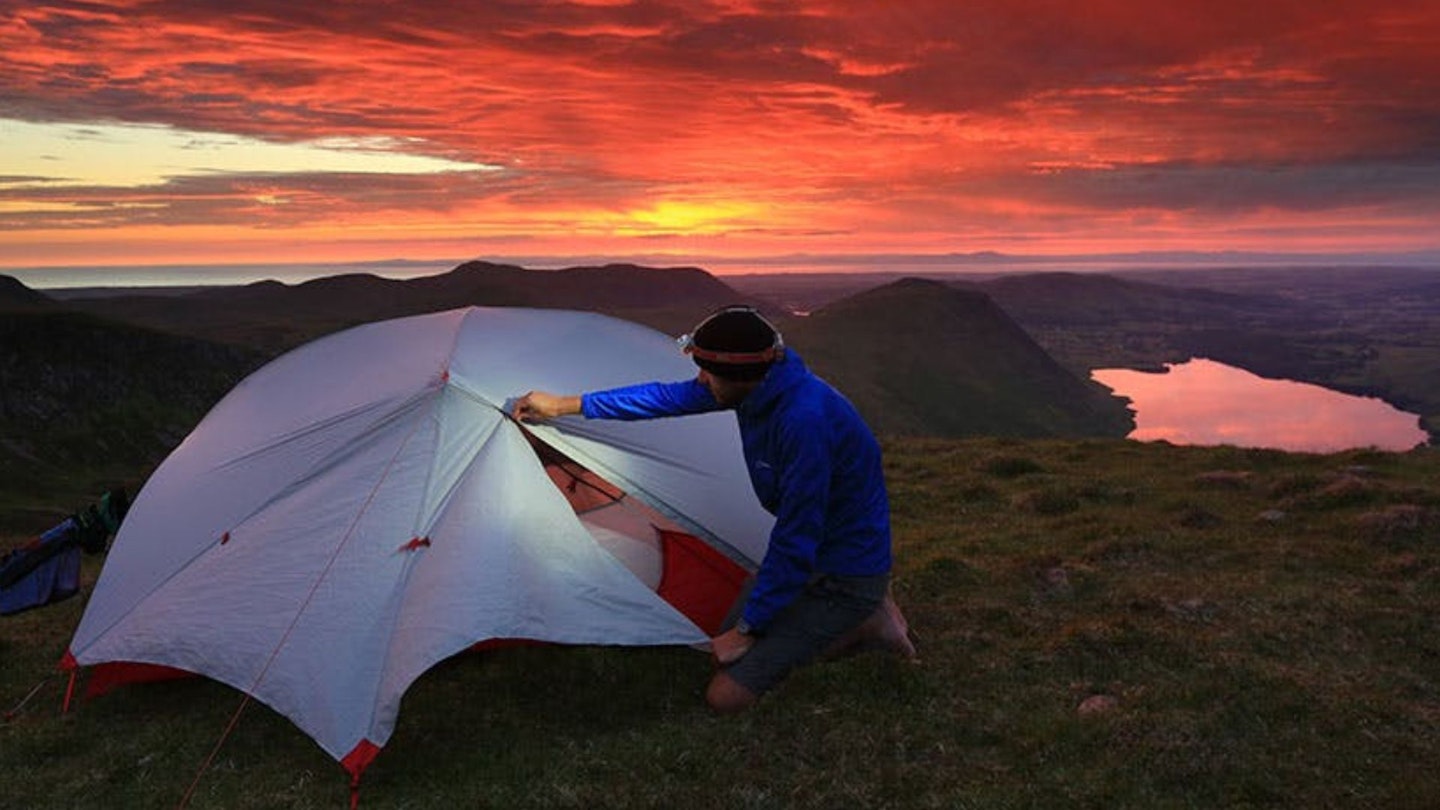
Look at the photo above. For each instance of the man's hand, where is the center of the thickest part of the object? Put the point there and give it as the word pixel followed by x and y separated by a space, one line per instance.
pixel 730 646
pixel 537 406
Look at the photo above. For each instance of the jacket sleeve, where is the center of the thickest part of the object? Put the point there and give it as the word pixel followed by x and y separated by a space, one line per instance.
pixel 804 466
pixel 648 401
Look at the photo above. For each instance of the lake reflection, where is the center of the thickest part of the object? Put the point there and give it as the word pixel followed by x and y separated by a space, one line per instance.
pixel 1203 402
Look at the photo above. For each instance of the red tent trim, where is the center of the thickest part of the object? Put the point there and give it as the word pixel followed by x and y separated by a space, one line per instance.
pixel 355 764
pixel 695 579
pixel 360 758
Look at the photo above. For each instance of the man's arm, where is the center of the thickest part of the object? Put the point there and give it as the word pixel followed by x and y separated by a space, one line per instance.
pixel 537 406
pixel 644 401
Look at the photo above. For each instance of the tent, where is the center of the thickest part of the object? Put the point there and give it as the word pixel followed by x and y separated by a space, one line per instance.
pixel 363 507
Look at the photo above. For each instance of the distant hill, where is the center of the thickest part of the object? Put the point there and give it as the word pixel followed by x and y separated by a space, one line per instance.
pixel 808 292
pixel 919 357
pixel 1087 299
pixel 274 317
pixel 1090 320
pixel 1327 285
pixel 16 297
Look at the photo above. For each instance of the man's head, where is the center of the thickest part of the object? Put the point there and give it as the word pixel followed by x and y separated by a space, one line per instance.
pixel 734 348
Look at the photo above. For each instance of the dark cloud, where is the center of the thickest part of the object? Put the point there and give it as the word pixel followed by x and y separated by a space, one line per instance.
pixel 1411 187
pixel 928 57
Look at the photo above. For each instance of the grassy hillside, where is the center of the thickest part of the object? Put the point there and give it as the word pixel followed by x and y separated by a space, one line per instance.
pixel 921 357
pixel 1102 624
pixel 88 400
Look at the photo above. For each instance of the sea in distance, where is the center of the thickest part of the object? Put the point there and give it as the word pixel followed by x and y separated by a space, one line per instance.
pixel 212 275
pixel 1202 402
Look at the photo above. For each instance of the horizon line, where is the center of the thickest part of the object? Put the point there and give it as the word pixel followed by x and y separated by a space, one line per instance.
pixel 793 263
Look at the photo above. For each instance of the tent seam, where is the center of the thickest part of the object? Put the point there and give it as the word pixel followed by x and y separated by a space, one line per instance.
pixel 403 579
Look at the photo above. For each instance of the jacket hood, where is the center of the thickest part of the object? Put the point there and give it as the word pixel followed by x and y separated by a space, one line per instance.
pixel 788 372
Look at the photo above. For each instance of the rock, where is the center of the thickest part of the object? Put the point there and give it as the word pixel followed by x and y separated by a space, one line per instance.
pixel 1397 521
pixel 1054 581
pixel 1196 517
pixel 1097 704
pixel 1347 490
pixel 1272 516
pixel 1223 479
pixel 1192 610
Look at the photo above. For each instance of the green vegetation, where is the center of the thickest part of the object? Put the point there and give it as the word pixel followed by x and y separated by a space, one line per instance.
pixel 87 404
pixel 1102 624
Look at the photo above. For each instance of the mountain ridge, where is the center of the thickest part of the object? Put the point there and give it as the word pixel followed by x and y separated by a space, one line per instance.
pixel 275 316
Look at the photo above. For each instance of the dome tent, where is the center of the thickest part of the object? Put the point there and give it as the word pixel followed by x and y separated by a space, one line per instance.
pixel 363 507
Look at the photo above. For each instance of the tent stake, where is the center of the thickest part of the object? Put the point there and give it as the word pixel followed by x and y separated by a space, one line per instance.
pixel 13 713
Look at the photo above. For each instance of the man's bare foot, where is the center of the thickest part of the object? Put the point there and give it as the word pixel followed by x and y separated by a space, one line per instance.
pixel 886 630
pixel 894 631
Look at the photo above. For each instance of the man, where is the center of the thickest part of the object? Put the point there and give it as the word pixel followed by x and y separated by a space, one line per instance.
pixel 823 587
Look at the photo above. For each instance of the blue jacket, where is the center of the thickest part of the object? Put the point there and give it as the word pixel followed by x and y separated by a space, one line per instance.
pixel 813 462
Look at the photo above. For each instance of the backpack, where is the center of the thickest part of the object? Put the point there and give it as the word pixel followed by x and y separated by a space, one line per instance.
pixel 46 569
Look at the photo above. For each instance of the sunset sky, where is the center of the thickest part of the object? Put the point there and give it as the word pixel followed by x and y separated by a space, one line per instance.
pixel 202 131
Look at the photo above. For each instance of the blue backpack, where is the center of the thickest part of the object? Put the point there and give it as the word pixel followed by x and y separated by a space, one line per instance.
pixel 46 569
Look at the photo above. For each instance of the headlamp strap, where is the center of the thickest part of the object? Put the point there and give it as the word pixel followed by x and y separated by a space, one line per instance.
pixel 767 355
pixel 734 358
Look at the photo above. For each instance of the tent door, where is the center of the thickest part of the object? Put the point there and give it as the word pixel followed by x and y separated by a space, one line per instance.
pixel 694 578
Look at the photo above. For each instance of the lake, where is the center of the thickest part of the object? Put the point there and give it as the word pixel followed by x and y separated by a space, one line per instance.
pixel 1202 402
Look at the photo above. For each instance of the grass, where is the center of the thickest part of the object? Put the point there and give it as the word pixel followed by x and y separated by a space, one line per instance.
pixel 1261 626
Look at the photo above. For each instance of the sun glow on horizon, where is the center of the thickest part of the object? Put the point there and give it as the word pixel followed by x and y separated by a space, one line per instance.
pixel 691 217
